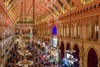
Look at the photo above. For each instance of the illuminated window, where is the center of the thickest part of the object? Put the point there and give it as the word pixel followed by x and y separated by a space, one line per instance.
pixel 54 30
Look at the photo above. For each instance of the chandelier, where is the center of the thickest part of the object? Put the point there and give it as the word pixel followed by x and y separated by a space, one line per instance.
pixel 70 59
pixel 25 62
pixel 23 51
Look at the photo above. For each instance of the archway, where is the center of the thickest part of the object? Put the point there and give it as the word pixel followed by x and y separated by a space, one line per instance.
pixel 62 50
pixel 67 46
pixel 92 58
pixel 76 55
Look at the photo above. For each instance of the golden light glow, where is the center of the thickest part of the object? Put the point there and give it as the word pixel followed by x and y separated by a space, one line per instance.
pixel 42 7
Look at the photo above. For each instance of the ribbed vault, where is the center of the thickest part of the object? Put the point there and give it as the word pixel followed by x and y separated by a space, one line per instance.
pixel 40 10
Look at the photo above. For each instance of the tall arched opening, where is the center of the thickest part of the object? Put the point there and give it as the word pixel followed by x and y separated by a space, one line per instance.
pixel 62 50
pixel 92 58
pixel 67 46
pixel 76 55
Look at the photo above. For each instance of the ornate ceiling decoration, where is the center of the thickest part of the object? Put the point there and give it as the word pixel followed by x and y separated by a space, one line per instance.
pixel 44 10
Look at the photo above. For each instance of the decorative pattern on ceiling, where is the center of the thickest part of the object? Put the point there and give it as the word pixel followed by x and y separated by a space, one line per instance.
pixel 43 9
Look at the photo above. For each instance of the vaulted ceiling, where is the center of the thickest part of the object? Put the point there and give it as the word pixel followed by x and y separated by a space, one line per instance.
pixel 40 10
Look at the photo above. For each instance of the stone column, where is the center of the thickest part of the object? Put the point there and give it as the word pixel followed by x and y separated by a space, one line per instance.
pixel 85 62
pixel 81 55
pixel 72 30
pixel 65 50
pixel 60 31
pixel 99 62
pixel 63 30
pixel 81 61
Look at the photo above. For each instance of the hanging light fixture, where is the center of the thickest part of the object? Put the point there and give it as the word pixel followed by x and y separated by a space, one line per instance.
pixel 70 58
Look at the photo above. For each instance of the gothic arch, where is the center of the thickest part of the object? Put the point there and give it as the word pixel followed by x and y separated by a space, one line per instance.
pixel 68 46
pixel 87 51
pixel 76 55
pixel 62 50
pixel 92 58
pixel 75 44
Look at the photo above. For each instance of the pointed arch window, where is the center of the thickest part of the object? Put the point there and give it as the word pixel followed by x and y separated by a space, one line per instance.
pixel 90 31
pixel 68 30
pixel 94 30
pixel 77 30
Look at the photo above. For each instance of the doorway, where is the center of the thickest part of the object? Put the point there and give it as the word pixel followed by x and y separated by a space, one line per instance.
pixel 76 55
pixel 92 58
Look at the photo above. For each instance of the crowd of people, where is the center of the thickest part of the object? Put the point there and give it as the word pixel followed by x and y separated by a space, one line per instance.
pixel 14 57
